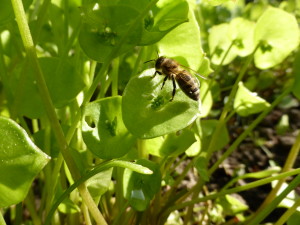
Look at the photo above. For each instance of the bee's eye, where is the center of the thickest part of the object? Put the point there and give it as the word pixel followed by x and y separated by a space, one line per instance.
pixel 159 61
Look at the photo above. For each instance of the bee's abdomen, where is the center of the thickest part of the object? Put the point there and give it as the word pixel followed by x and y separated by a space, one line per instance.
pixel 188 85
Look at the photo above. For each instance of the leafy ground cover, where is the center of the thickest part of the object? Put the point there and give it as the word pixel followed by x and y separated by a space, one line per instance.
pixel 89 136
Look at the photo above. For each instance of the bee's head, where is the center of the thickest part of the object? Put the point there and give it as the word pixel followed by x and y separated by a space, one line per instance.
pixel 159 61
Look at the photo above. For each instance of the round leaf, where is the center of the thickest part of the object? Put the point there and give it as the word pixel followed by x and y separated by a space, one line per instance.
pixel 241 31
pixel 184 44
pixel 104 27
pixel 168 15
pixel 20 161
pixel 147 110
pixel 103 130
pixel 278 32
pixel 247 103
pixel 57 77
pixel 174 144
pixel 219 41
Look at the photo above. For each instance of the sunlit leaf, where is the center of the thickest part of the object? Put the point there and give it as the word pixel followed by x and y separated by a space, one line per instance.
pixel 231 205
pixel 20 161
pixel 277 32
pixel 184 44
pixel 219 44
pixel 173 144
pixel 147 110
pixel 241 33
pixel 247 103
pixel 162 20
pixel 217 2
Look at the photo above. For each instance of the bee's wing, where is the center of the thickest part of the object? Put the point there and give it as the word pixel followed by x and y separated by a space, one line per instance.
pixel 205 78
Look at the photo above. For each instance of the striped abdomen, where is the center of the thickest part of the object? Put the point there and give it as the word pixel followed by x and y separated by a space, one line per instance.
pixel 188 84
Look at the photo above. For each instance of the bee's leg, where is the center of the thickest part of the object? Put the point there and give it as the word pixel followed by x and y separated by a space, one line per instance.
pixel 174 88
pixel 155 74
pixel 166 77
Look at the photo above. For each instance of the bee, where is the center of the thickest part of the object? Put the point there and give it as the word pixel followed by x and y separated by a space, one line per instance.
pixel 172 71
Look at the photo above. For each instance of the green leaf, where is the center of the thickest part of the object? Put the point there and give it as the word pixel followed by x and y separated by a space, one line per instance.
pixel 21 160
pixel 216 2
pixel 103 130
pixel 153 145
pixel 99 184
pixel 219 41
pixel 278 33
pixel 283 125
pixel 165 18
pixel 241 33
pixel 139 189
pixel 147 110
pixel 231 205
pixel 247 103
pixel 195 148
pixel 105 26
pixel 63 81
pixel 68 207
pixel 58 77
pixel 174 144
pixel 184 44
pixel 6 10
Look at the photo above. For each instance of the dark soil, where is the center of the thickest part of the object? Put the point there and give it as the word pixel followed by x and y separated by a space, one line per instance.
pixel 253 158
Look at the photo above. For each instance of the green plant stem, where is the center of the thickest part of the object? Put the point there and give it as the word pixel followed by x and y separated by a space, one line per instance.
pixel 270 207
pixel 171 192
pixel 45 96
pixel 229 191
pixel 138 61
pixel 287 166
pixel 115 74
pixel 288 213
pixel 260 174
pixel 3 72
pixel 248 130
pixel 30 201
pixel 86 215
pixel 40 19
pixel 18 214
pixel 119 189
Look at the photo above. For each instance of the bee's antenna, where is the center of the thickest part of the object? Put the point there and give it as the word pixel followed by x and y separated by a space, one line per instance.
pixel 150 60
pixel 157 53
